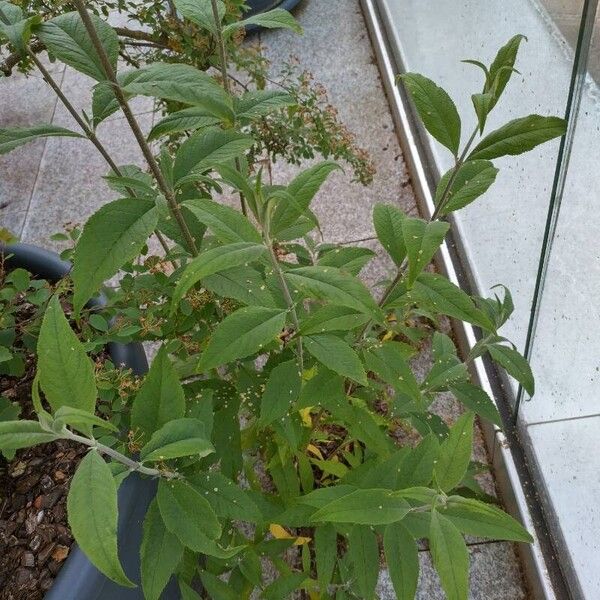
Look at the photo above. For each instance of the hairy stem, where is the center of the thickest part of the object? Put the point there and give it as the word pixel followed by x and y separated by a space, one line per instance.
pixel 115 455
pixel 288 299
pixel 135 128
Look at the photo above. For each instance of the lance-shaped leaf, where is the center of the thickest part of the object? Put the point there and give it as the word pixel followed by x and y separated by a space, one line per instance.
pixel 201 13
pixel 187 514
pixel 335 286
pixel 188 119
pixel 178 437
pixel 417 468
pixel 514 363
pixel 402 557
pixel 241 334
pixel 387 220
pixel 281 392
pixel 422 241
pixel 15 137
pixel 332 318
pixel 364 507
pixel 160 398
pixel 450 557
pixel 66 373
pixel 160 554
pixel 474 517
pixel 244 284
pixel 204 150
pixel 181 83
pixel 455 453
pixel 502 67
pixel 66 37
pixel 436 109
pixel 348 258
pixel 336 355
pixel 81 419
pixel 92 513
pixel 363 551
pixel 302 189
pixel 442 296
pixel 22 434
pixel 477 400
pixel 213 261
pixel 471 181
pixel 259 103
pixel 325 537
pixel 111 237
pixel 272 19
pixel 17 29
pixel 227 224
pixel 482 103
pixel 518 136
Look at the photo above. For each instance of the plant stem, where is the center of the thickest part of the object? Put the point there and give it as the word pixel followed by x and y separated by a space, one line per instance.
pixel 114 454
pixel 89 132
pixel 135 128
pixel 288 298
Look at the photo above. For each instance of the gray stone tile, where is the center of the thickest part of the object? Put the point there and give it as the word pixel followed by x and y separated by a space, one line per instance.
pixel 495 575
pixel 24 101
pixel 70 185
pixel 352 80
pixel 13 221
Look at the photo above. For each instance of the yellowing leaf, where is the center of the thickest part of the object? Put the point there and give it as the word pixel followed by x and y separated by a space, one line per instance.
pixel 314 450
pixel 280 533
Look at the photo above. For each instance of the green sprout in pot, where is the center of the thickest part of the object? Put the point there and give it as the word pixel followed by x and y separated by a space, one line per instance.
pixel 282 417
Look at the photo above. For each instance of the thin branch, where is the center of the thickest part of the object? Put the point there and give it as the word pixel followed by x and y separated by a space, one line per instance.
pixel 135 128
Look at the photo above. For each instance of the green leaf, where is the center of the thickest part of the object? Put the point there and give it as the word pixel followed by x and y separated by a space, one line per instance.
pixel 104 101
pixel 218 589
pixel 213 261
pixel 182 83
pixel 66 372
pixel 259 103
pixel 272 19
pixel 92 513
pixel 325 537
pixel 518 136
pixel 179 437
pixel 187 514
pixel 336 355
pixel 160 398
pixel 450 557
pixel 349 258
pixel 281 392
pixel 422 241
pixel 302 189
pixel 244 284
pixel 477 400
pixel 111 237
pixel 455 453
pixel 68 415
pixel 417 468
pixel 201 13
pixel 188 119
pixel 332 318
pixel 483 104
pixel 160 554
pixel 502 68
pixel 402 557
pixel 14 137
pixel 335 286
pixel 66 37
pixel 227 224
pixel 445 298
pixel 471 181
pixel 387 220
pixel 227 498
pixel 514 363
pixel 363 552
pixel 206 149
pixel 9 411
pixel 474 517
pixel 240 334
pixel 17 29
pixel 436 109
pixel 22 434
pixel 364 507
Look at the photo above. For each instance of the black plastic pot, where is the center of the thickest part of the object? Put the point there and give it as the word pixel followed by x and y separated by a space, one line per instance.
pixel 78 579
pixel 260 6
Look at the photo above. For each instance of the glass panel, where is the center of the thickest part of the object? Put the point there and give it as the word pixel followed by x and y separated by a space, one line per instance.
pixel 501 234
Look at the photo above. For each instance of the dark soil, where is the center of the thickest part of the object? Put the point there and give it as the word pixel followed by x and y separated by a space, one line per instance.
pixel 35 538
